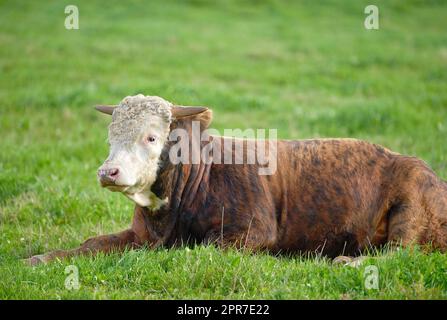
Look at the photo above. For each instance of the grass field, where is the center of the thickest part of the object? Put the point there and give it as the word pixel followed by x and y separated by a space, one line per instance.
pixel 309 70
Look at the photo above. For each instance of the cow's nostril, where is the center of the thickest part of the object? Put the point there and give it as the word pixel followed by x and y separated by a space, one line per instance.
pixel 114 173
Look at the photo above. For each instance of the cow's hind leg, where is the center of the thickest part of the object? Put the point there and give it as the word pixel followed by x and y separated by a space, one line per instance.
pixel 417 212
pixel 404 226
pixel 106 243
pixel 419 216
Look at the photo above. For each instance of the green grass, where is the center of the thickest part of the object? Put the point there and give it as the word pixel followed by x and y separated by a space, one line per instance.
pixel 307 69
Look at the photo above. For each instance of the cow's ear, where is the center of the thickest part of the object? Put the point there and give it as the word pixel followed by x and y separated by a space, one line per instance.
pixel 205 118
pixel 202 114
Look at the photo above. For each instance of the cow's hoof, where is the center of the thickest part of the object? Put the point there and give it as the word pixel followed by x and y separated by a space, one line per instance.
pixel 354 262
pixel 342 260
pixel 35 260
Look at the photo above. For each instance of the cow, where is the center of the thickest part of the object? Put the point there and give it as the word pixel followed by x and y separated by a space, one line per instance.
pixel 335 197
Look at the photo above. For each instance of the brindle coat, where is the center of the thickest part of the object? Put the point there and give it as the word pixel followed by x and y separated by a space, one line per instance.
pixel 333 196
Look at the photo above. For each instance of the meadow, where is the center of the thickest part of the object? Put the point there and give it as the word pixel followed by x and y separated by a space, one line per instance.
pixel 309 69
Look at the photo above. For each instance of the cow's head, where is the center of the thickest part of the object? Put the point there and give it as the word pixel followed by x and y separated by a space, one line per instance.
pixel 137 135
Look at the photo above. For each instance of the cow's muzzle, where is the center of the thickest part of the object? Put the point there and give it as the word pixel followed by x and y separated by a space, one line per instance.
pixel 107 176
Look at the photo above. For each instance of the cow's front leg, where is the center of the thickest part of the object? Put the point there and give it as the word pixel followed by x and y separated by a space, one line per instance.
pixel 251 240
pixel 107 243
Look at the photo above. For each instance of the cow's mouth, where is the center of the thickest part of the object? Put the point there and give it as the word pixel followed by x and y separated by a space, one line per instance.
pixel 115 187
pixel 128 187
pixel 125 189
pixel 113 184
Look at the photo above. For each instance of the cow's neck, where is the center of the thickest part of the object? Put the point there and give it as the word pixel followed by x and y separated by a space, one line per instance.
pixel 178 183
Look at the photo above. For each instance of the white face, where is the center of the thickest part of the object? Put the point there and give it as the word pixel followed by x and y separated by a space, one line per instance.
pixel 135 149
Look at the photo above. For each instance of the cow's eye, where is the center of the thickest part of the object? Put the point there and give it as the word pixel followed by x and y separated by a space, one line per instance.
pixel 151 139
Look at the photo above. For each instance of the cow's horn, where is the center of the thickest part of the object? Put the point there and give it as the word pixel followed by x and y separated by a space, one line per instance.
pixel 179 112
pixel 105 109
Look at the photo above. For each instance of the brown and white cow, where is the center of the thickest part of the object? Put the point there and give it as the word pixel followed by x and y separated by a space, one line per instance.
pixel 332 196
